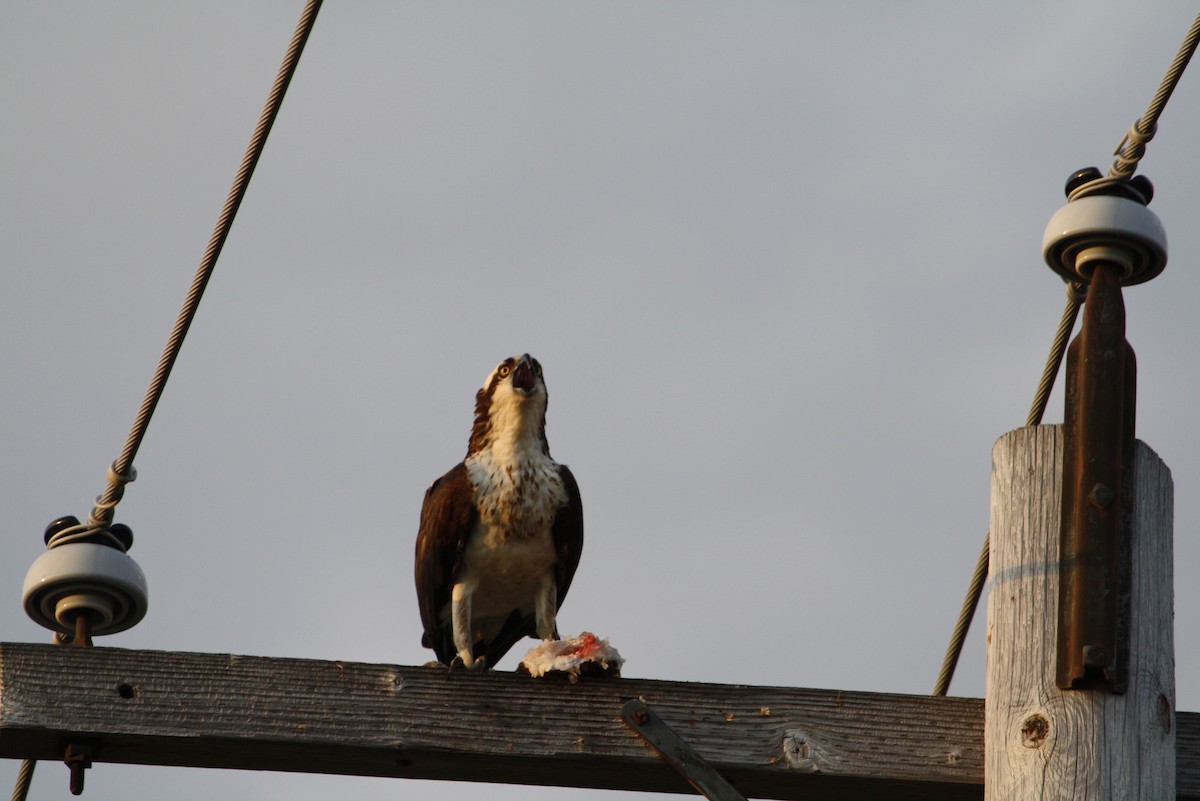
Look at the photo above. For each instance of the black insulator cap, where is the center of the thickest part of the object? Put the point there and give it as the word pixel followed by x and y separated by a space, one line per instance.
pixel 1081 177
pixel 61 524
pixel 123 533
pixel 1144 188
pixel 1138 188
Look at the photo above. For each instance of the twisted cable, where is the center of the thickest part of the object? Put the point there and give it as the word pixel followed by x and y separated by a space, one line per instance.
pixel 121 472
pixel 1133 145
pixel 24 779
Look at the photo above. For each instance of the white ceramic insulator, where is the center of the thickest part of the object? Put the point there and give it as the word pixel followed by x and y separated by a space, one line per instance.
pixel 1108 228
pixel 85 578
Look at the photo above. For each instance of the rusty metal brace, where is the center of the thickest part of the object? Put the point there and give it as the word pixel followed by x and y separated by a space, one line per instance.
pixel 1106 238
pixel 1094 589
pixel 676 753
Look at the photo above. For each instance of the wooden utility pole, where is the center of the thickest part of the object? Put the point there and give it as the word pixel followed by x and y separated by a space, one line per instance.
pixel 1043 743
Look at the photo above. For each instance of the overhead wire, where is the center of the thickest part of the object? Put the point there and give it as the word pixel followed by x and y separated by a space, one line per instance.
pixel 1133 146
pixel 121 472
pixel 1128 153
pixel 24 779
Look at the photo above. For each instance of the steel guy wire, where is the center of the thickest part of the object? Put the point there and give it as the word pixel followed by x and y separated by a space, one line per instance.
pixel 1133 146
pixel 122 472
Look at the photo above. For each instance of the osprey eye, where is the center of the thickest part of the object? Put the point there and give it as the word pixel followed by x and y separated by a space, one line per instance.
pixel 537 368
pixel 504 370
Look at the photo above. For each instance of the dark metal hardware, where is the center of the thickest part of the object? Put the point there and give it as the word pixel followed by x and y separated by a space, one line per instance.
pixel 78 758
pixel 1094 589
pixel 677 753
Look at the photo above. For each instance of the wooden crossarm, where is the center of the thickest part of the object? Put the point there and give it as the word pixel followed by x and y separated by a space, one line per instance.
pixel 260 713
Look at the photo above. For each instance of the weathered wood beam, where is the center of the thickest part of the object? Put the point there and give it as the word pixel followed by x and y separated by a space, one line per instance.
pixel 223 711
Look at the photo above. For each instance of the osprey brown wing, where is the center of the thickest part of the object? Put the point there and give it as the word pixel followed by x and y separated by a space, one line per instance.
pixel 447 515
pixel 568 534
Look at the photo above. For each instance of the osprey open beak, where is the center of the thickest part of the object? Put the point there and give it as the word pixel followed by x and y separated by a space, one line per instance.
pixel 524 378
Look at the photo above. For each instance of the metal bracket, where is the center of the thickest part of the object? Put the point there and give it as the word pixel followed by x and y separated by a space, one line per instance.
pixel 676 753
pixel 1097 502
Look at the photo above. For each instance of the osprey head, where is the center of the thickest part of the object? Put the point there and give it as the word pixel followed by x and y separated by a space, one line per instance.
pixel 511 405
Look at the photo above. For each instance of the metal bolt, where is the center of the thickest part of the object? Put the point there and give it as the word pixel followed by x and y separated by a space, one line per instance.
pixel 1095 656
pixel 83 630
pixel 78 758
pixel 1101 496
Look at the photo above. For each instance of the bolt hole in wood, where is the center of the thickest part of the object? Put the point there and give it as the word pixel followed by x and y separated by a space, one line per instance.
pixel 126 690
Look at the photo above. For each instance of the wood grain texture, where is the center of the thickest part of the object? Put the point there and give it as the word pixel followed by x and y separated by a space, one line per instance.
pixel 151 707
pixel 256 713
pixel 1043 743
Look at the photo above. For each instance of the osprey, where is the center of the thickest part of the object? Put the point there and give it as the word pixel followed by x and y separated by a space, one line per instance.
pixel 501 532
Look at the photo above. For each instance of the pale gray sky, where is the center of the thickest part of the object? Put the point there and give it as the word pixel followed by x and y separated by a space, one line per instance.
pixel 781 262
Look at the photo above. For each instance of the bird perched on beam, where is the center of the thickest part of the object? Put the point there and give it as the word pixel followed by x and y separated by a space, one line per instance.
pixel 502 531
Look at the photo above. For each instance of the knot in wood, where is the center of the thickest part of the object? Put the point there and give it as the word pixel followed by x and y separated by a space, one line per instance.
pixel 1166 712
pixel 1034 731
pixel 798 752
